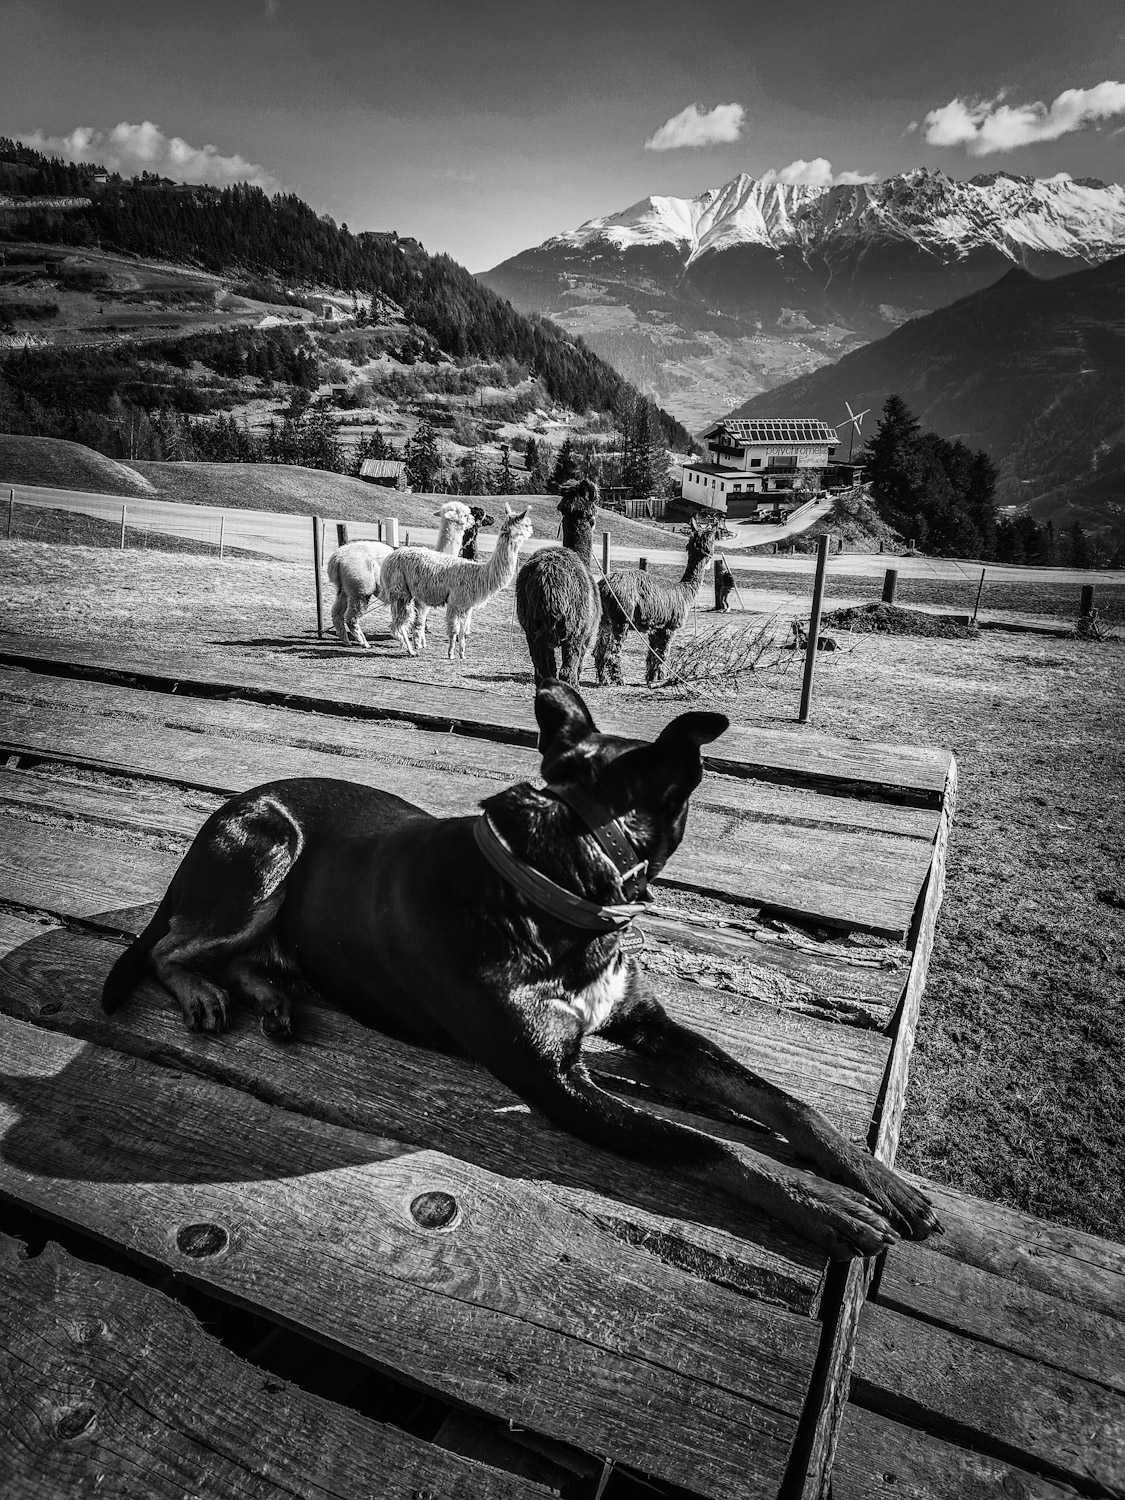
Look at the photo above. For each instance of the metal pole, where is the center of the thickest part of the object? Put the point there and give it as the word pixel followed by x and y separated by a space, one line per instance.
pixel 814 628
pixel 317 525
pixel 980 591
pixel 11 508
pixel 222 524
pixel 123 508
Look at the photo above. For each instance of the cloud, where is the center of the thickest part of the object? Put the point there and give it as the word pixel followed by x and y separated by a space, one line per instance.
pixel 815 173
pixel 130 149
pixel 695 126
pixel 985 126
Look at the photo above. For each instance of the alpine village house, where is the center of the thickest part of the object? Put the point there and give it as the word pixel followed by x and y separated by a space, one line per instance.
pixel 752 465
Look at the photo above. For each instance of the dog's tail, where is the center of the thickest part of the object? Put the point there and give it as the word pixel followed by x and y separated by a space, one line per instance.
pixel 132 965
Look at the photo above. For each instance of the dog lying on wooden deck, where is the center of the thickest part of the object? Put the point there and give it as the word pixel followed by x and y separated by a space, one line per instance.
pixel 499 936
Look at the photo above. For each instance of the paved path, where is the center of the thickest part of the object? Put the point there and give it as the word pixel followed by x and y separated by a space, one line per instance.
pixel 289 537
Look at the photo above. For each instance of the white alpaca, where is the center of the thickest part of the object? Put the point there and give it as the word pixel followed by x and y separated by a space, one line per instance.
pixel 417 579
pixel 354 569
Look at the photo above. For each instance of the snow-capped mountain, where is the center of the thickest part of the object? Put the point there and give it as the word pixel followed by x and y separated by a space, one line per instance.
pixel 707 301
pixel 1021 217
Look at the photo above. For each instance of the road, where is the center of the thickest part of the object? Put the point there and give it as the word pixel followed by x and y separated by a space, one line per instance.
pixel 289 538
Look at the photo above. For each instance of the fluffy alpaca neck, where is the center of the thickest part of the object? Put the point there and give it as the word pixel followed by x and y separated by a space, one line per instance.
pixel 500 568
pixel 450 535
pixel 578 536
pixel 693 573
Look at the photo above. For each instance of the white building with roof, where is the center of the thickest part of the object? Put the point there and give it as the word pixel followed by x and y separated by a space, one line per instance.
pixel 748 459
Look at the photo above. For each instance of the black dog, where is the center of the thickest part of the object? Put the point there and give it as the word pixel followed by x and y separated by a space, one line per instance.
pixel 499 936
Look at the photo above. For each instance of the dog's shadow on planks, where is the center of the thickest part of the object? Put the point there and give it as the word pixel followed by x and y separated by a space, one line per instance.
pixel 136 1098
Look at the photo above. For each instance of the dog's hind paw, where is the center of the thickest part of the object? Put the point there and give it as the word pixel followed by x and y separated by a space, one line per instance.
pixel 277 1027
pixel 206 1007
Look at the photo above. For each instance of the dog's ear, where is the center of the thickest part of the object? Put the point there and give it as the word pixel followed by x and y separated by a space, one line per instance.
pixel 694 729
pixel 564 725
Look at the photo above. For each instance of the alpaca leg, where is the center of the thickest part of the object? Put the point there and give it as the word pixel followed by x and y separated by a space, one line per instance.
pixel 356 609
pixel 418 631
pixel 607 654
pixel 657 651
pixel 455 632
pixel 573 655
pixel 401 620
pixel 339 613
pixel 543 662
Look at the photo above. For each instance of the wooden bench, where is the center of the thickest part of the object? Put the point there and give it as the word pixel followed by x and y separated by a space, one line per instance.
pixel 500 1309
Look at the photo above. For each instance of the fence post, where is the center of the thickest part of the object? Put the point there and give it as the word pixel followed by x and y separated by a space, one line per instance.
pixel 11 508
pixel 1086 604
pixel 605 551
pixel 719 583
pixel 814 628
pixel 644 564
pixel 980 591
pixel 123 509
pixel 318 545
pixel 890 583
pixel 392 531
pixel 222 524
pixel 380 531
pixel 341 533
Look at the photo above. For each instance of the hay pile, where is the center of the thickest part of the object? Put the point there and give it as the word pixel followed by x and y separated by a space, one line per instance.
pixel 891 619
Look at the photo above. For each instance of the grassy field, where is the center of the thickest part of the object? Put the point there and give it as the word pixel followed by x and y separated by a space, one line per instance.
pixel 1016 1092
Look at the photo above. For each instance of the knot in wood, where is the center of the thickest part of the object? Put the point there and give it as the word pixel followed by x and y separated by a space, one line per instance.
pixel 435 1210
pixel 201 1240
pixel 74 1421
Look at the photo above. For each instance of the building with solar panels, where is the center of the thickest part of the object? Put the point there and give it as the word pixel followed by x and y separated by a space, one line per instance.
pixel 748 460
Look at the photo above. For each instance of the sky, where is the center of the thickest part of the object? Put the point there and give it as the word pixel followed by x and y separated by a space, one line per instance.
pixel 483 127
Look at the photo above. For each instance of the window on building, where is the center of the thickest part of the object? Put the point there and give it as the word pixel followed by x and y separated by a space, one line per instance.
pixel 755 463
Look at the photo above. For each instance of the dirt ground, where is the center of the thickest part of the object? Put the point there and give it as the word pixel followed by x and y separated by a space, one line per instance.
pixel 1017 1092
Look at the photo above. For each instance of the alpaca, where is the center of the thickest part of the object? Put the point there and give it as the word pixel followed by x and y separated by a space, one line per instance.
pixel 469 540
pixel 416 579
pixel 354 568
pixel 651 605
pixel 557 600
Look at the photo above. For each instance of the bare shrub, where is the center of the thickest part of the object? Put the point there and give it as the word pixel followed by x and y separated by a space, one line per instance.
pixel 721 656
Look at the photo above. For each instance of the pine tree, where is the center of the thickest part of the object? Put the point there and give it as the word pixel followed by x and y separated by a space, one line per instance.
pixel 423 460
pixel 566 465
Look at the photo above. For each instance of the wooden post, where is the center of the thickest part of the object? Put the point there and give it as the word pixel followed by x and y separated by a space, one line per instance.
pixel 980 591
pixel 719 583
pixel 605 551
pixel 318 545
pixel 123 509
pixel 222 524
pixel 890 583
pixel 11 509
pixel 341 533
pixel 380 532
pixel 644 564
pixel 392 531
pixel 814 628
pixel 1086 605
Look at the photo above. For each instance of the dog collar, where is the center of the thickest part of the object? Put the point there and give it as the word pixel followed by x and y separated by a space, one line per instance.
pixel 544 892
pixel 610 834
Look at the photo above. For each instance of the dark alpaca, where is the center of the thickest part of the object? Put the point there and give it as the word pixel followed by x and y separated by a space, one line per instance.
pixel 469 540
pixel 557 601
pixel 651 605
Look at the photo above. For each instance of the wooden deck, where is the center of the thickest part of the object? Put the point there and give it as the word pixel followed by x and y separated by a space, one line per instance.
pixel 210 1238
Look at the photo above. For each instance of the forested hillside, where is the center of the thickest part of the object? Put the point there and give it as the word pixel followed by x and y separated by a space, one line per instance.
pixel 240 229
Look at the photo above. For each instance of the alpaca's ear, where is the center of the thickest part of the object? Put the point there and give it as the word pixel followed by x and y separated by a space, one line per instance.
pixel 564 726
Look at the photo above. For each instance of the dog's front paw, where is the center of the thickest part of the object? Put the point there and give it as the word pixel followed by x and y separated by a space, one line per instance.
pixel 907 1207
pixel 847 1224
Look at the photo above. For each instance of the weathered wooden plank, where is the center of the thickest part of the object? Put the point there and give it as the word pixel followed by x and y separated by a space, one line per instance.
pixel 878 1458
pixel 341 1072
pixel 827 875
pixel 398 742
pixel 844 1307
pixel 985 1307
pixel 895 772
pixel 1082 1269
pixel 527 1314
pixel 1049 1421
pixel 109 1387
